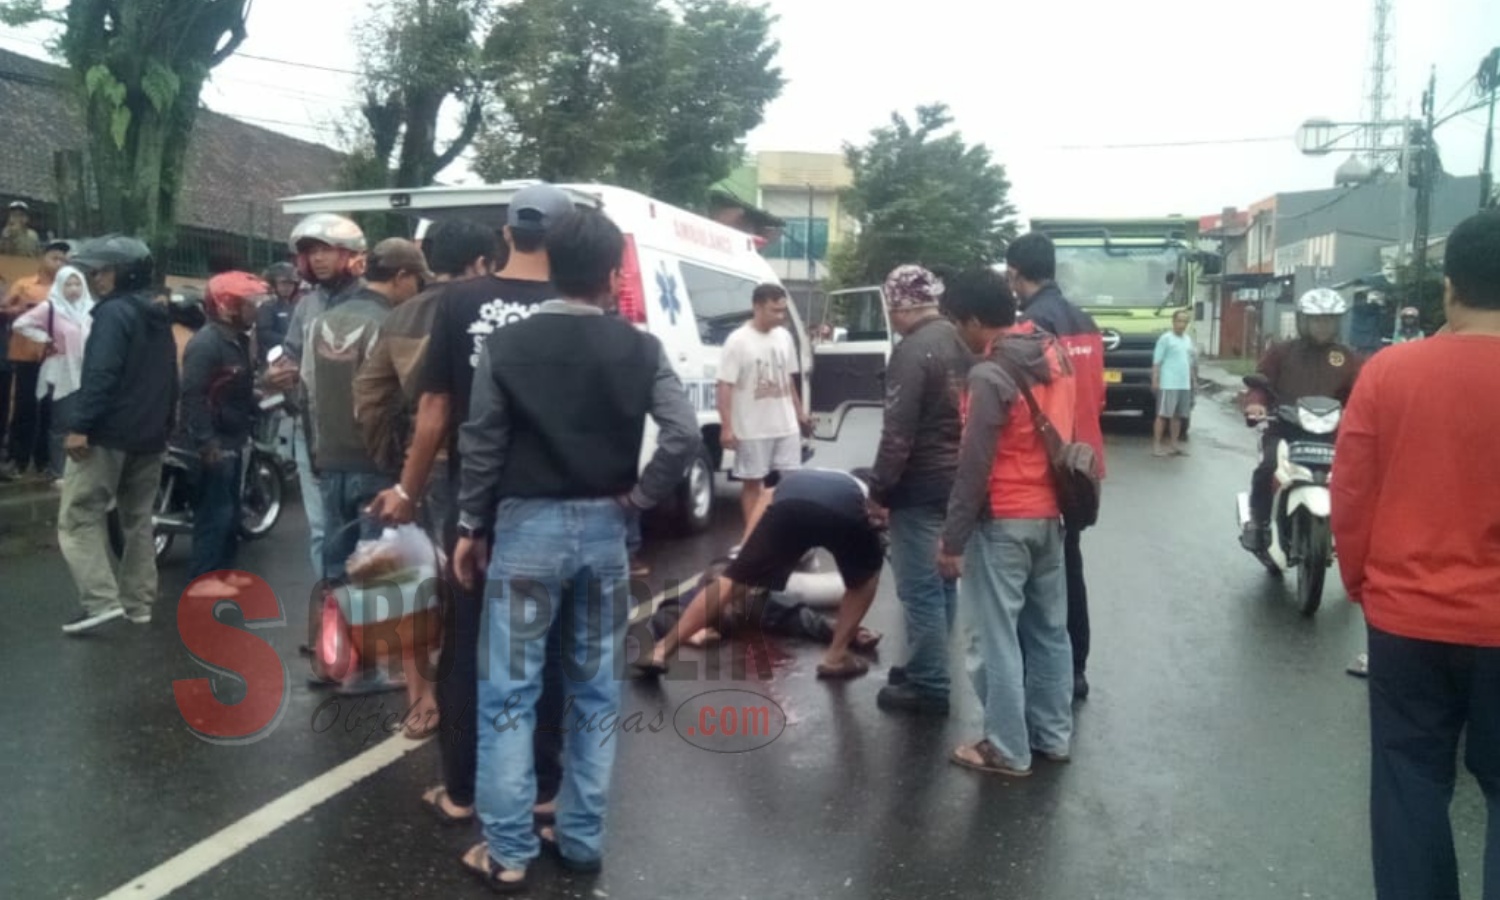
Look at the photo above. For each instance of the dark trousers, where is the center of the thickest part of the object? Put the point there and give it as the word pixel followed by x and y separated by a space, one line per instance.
pixel 5 383
pixel 1261 481
pixel 216 516
pixel 62 422
pixel 1078 598
pixel 29 425
pixel 1422 697
pixel 458 703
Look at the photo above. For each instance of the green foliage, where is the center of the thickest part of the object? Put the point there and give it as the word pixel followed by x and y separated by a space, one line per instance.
pixel 922 195
pixel 632 92
pixel 420 54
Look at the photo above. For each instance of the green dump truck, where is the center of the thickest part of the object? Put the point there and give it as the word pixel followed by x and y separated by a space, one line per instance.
pixel 1131 275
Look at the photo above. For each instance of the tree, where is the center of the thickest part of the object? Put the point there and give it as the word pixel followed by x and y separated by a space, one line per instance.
pixel 628 91
pixel 419 54
pixel 922 196
pixel 138 68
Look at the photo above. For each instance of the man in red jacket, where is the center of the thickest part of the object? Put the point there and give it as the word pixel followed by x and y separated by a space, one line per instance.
pixel 1031 265
pixel 1417 526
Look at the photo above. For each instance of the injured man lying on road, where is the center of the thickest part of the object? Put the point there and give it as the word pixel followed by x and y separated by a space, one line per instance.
pixel 800 510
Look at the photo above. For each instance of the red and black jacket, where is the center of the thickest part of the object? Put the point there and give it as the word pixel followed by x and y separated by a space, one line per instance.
pixel 1075 330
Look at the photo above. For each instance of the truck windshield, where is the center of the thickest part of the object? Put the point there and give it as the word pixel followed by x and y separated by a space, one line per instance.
pixel 1119 276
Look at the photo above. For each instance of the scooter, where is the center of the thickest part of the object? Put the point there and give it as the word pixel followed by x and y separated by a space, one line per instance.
pixel 263 473
pixel 1301 537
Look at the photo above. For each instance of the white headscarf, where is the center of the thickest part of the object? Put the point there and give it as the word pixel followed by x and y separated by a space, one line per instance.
pixel 78 311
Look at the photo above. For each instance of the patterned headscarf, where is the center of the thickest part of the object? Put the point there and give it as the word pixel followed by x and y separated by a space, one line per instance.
pixel 912 287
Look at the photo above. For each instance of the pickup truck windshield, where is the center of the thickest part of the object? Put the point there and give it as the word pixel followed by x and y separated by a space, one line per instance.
pixel 1118 276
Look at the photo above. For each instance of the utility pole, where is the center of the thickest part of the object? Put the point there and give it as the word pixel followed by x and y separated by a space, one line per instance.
pixel 1422 176
pixel 1488 80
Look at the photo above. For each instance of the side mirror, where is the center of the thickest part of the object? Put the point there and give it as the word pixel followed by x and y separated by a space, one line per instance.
pixel 1211 263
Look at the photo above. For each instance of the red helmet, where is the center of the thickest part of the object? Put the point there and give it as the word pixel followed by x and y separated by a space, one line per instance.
pixel 227 294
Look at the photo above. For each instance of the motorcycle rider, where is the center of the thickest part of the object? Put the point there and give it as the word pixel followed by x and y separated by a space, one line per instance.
pixel 218 414
pixel 1315 364
pixel 330 256
pixel 127 399
pixel 275 316
pixel 1408 326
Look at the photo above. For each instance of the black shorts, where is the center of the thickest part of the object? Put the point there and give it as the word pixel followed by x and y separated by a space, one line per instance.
pixel 789 529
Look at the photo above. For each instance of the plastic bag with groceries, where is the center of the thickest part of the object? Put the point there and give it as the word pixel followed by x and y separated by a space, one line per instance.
pixel 392 579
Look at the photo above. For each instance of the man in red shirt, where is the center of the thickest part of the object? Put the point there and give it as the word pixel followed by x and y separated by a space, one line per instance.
pixel 1416 518
pixel 1004 532
pixel 1031 266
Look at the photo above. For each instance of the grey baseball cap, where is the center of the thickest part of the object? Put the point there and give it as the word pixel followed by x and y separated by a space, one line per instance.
pixel 535 208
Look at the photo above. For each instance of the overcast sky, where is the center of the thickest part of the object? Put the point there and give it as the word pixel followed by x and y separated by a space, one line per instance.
pixel 1035 84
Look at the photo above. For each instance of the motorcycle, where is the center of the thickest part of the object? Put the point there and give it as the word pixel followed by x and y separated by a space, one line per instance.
pixel 1301 537
pixel 263 474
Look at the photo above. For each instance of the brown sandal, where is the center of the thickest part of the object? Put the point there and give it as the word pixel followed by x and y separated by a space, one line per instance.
pixel 853 667
pixel 490 873
pixel 982 756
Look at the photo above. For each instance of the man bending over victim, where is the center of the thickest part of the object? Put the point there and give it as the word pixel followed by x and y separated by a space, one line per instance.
pixel 799 511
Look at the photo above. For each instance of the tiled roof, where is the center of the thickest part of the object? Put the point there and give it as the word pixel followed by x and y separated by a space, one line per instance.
pixel 232 167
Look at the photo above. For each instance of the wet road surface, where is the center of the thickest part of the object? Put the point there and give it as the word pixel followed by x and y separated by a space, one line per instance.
pixel 1223 752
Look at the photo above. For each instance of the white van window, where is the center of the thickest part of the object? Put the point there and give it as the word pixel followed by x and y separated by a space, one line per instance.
pixel 721 301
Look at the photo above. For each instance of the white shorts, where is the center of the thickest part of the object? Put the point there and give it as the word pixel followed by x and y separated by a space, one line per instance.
pixel 754 459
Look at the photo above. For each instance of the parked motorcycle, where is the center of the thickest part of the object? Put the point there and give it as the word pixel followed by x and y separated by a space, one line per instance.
pixel 1301 537
pixel 263 475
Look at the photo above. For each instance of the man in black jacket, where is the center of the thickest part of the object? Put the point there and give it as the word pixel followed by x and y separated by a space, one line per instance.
pixel 121 420
pixel 550 459
pixel 218 413
pixel 914 470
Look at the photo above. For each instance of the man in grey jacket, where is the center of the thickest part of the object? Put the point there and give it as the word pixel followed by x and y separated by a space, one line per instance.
pixel 914 470
pixel 549 473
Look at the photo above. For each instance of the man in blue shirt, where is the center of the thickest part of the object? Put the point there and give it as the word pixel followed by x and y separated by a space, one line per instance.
pixel 1174 369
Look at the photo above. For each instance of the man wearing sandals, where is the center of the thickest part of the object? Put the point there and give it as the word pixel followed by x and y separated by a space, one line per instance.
pixel 799 511
pixel 1004 535
pixel 550 456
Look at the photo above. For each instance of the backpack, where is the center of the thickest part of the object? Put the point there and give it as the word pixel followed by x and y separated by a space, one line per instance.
pixel 1075 467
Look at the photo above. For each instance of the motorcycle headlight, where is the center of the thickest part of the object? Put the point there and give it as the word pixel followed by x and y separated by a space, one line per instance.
pixel 1313 423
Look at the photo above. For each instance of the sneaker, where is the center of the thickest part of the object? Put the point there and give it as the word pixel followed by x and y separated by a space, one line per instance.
pixel 139 618
pixel 905 698
pixel 85 621
pixel 1049 756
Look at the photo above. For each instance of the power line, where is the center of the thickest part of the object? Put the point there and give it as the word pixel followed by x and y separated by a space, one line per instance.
pixel 300 65
pixel 1159 144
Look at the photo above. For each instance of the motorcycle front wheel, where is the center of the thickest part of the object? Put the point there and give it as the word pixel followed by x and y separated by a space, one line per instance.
pixel 260 498
pixel 1316 555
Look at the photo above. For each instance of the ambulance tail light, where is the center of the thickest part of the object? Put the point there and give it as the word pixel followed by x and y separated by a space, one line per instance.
pixel 633 291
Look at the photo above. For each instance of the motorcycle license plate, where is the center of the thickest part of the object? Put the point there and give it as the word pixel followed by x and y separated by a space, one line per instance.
pixel 1113 376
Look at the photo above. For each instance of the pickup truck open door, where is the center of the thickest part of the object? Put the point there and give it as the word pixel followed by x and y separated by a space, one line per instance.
pixel 852 340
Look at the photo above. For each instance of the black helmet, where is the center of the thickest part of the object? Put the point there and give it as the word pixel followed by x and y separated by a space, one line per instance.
pixel 186 308
pixel 128 257
pixel 282 271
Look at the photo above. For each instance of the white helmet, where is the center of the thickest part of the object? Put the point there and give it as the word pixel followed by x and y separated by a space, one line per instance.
pixel 327 228
pixel 1322 302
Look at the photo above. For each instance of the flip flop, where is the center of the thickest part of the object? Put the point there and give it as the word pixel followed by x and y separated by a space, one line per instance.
pixel 551 846
pixel 433 800
pixel 852 668
pixel 489 874
pixel 650 669
pixel 982 756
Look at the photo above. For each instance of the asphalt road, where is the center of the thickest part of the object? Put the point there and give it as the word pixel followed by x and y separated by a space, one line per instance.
pixel 1223 752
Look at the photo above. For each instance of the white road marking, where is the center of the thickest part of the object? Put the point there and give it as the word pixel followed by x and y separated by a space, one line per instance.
pixel 206 855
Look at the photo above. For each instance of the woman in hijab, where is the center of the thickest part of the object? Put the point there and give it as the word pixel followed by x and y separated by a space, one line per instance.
pixel 62 324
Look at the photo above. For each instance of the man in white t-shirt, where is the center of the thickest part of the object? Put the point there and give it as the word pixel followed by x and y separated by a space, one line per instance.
pixel 759 406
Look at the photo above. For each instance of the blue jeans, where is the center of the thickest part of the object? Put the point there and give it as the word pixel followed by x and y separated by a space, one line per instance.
pixel 1016 602
pixel 930 601
pixel 295 435
pixel 345 496
pixel 540 545
pixel 216 515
